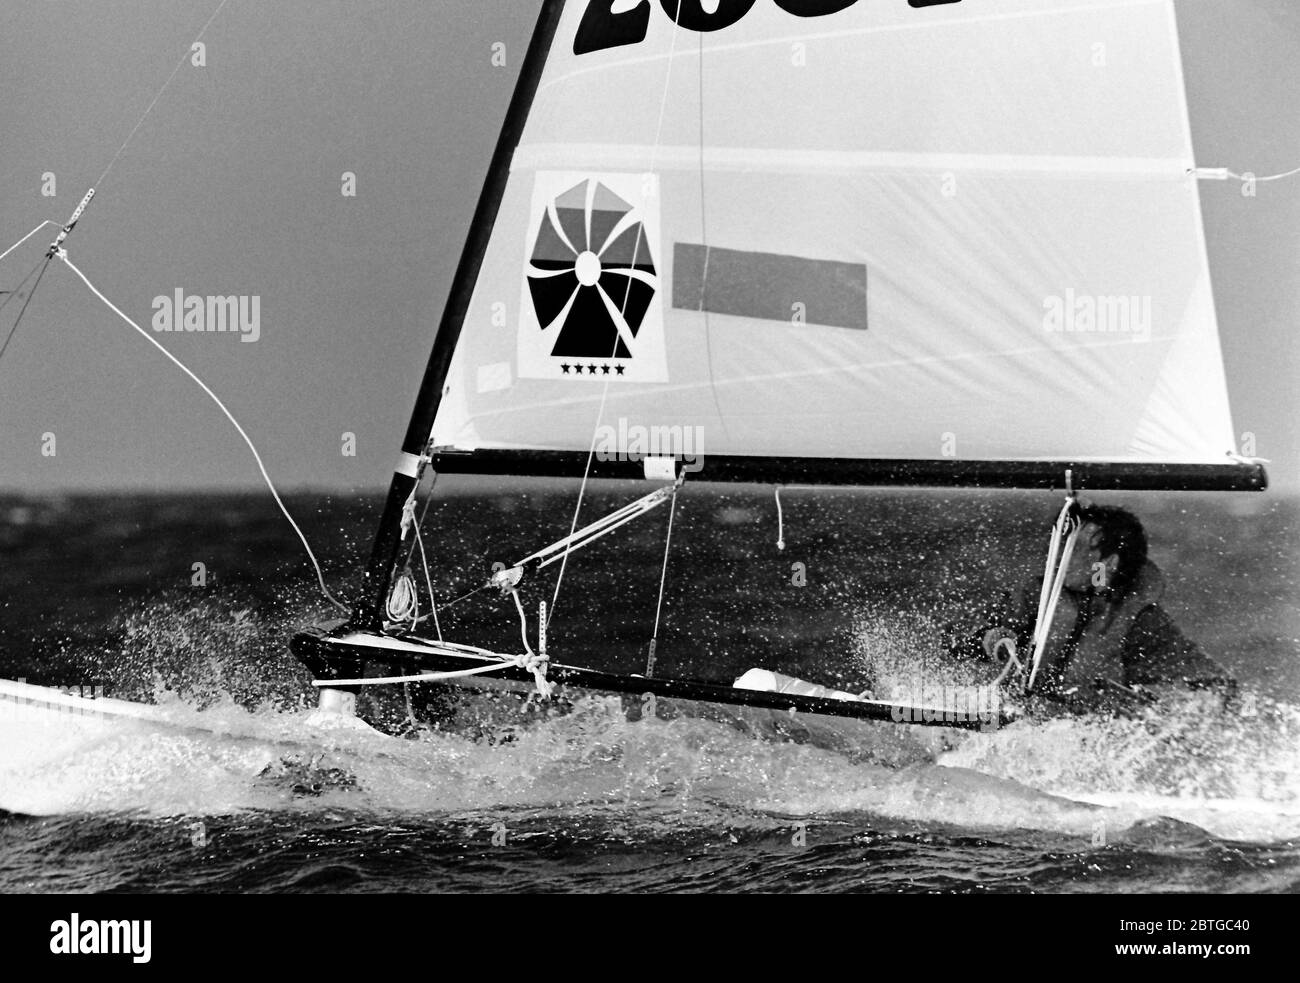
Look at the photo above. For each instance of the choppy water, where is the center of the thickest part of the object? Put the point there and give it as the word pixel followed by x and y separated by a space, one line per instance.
pixel 99 590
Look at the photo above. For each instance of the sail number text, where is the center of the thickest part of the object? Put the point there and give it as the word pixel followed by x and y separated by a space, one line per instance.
pixel 602 27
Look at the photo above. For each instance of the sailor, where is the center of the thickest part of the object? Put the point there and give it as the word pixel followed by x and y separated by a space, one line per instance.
pixel 1110 642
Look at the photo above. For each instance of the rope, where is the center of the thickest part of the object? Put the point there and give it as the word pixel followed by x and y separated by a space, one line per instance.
pixel 1013 661
pixel 663 579
pixel 1271 177
pixel 1064 534
pixel 404 600
pixel 518 661
pixel 320 577
pixel 455 648
pixel 26 237
pixel 780 521
pixel 536 664
pixel 532 662
pixel 424 559
pixel 428 583
pixel 409 521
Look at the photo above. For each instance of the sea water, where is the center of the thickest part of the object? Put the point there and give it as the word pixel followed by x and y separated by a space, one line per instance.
pixel 240 791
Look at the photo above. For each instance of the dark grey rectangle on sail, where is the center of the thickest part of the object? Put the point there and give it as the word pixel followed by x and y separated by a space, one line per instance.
pixel 767 286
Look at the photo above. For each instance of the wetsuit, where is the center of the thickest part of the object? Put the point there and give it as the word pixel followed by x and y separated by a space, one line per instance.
pixel 1102 643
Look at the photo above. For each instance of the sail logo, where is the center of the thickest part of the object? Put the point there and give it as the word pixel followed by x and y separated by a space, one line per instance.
pixel 236 314
pixel 102 937
pixel 615 23
pixel 634 442
pixel 1093 313
pixel 591 295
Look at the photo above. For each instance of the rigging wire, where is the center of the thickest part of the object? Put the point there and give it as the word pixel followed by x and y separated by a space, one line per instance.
pixel 418 542
pixel 663 579
pixel 466 596
pixel 408 608
pixel 1065 533
pixel 428 583
pixel 627 296
pixel 320 576
pixel 595 530
pixel 42 266
pixel 17 291
pixel 158 95
pixel 585 536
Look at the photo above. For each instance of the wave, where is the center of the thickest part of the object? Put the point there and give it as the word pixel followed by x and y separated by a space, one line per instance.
pixel 234 732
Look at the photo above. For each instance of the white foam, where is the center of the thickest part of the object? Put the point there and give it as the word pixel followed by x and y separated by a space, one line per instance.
pixel 1058 776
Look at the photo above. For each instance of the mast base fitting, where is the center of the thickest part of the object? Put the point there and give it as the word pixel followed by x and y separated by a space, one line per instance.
pixel 507 580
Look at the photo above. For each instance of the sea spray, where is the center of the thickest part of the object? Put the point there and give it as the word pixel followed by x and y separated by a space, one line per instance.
pixel 1188 746
pixel 206 651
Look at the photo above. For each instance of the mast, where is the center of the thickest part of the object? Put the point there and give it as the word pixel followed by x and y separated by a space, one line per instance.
pixel 383 556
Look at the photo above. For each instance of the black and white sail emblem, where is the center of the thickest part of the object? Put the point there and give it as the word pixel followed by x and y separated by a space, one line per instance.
pixel 592 281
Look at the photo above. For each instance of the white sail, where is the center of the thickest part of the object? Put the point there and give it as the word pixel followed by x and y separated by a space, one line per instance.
pixel 969 230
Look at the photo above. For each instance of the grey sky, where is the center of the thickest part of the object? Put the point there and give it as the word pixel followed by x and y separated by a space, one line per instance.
pixel 232 186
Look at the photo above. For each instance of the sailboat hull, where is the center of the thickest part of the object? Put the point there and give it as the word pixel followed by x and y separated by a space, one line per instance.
pixel 334 651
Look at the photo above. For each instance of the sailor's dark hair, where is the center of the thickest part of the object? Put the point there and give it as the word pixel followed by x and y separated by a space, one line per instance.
pixel 1119 532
